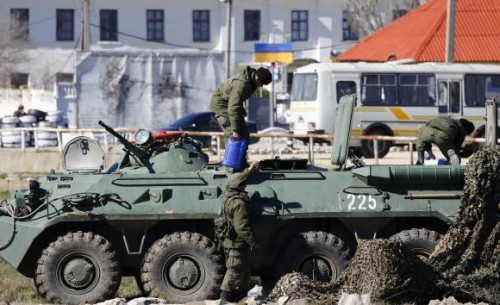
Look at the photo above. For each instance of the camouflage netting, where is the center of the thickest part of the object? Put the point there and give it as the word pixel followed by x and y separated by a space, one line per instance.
pixel 469 254
pixel 387 270
pixel 465 264
pixel 390 272
pixel 298 286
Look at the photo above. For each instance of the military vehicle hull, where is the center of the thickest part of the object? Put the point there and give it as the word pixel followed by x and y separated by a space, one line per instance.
pixel 151 216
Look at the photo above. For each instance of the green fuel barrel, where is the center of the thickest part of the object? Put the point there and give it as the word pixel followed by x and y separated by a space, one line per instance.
pixel 415 175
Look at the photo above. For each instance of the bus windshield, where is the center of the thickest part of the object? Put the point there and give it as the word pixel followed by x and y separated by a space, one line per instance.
pixel 305 87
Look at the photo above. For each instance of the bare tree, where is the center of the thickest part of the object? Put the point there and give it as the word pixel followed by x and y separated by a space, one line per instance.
pixel 367 16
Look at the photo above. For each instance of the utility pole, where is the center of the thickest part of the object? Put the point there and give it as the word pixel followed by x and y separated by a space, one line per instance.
pixel 85 31
pixel 450 31
pixel 229 15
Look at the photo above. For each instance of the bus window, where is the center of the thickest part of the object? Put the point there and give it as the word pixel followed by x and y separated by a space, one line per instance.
pixel 305 87
pixel 454 97
pixel 345 87
pixel 479 88
pixel 417 90
pixel 449 97
pixel 379 89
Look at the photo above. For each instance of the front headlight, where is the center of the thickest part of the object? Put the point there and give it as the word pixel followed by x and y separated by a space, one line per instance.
pixel 143 136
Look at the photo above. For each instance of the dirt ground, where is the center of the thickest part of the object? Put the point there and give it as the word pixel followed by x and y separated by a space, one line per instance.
pixel 465 264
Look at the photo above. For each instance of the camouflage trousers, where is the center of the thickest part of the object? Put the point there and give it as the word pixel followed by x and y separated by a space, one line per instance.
pixel 238 264
pixel 428 136
pixel 226 126
pixel 244 134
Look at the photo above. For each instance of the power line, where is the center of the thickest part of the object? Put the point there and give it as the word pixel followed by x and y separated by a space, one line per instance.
pixel 211 49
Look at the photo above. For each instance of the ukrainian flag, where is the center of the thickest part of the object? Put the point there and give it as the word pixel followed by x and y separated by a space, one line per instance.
pixel 273 52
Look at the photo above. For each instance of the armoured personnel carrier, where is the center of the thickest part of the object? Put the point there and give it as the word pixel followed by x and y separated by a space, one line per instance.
pixel 151 215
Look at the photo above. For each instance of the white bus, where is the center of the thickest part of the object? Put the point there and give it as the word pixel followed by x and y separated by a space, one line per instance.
pixel 394 99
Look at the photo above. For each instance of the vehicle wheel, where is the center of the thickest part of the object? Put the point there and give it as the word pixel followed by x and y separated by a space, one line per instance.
pixel 319 255
pixel 422 242
pixel 139 284
pixel 38 113
pixel 182 267
pixel 383 146
pixel 78 268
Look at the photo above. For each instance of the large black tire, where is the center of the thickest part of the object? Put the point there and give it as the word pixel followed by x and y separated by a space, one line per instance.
pixel 319 255
pixel 182 267
pixel 78 268
pixel 422 242
pixel 367 149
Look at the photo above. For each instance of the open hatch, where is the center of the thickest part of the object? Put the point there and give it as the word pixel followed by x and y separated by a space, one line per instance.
pixel 83 155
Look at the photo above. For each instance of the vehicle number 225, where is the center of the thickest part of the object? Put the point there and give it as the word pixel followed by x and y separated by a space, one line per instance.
pixel 361 202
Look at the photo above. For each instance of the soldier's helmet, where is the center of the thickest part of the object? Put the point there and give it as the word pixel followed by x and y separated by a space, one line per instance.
pixel 21 107
pixel 237 180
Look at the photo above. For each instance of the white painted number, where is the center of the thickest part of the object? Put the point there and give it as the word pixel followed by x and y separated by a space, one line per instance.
pixel 361 202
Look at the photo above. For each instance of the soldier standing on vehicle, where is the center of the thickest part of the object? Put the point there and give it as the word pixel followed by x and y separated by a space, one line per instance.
pixel 20 111
pixel 227 100
pixel 238 245
pixel 447 133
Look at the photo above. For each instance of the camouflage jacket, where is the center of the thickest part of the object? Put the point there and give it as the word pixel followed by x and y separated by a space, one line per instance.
pixel 237 209
pixel 451 131
pixel 228 99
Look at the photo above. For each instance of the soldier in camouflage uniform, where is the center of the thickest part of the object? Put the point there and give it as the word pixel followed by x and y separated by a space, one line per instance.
pixel 447 133
pixel 238 246
pixel 227 100
pixel 20 111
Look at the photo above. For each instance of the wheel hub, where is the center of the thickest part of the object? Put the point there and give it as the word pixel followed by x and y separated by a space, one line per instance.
pixel 78 273
pixel 183 273
pixel 316 268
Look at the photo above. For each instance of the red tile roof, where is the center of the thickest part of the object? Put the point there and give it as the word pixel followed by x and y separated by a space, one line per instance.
pixel 421 34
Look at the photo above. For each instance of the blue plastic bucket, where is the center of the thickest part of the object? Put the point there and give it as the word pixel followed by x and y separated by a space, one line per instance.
pixel 436 162
pixel 235 152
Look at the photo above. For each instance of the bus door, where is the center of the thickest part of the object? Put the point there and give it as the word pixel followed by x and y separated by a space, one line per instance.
pixel 449 98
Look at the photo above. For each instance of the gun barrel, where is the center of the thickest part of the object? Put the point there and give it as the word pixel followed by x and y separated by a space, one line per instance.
pixel 131 147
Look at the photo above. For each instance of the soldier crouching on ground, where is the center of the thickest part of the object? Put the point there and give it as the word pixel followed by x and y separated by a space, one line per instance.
pixel 240 241
pixel 447 133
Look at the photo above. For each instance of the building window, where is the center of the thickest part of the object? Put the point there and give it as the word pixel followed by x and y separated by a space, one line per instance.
pixel 19 80
pixel 65 25
pixel 154 19
pixel 19 23
pixel 348 29
pixel 64 77
pixel 109 25
pixel 398 13
pixel 201 25
pixel 252 25
pixel 299 26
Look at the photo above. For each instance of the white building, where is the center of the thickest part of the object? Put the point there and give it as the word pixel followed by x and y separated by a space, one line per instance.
pixel 54 66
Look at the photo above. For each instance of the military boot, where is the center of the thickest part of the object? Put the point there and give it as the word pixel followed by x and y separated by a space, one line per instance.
pixel 420 157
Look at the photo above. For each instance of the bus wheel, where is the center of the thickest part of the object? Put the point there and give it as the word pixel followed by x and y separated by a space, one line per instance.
pixel 383 146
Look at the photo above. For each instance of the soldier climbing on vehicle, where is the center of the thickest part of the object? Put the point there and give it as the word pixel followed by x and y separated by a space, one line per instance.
pixel 227 101
pixel 238 238
pixel 447 133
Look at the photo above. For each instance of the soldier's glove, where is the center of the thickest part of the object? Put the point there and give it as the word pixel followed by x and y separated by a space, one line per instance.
pixel 454 158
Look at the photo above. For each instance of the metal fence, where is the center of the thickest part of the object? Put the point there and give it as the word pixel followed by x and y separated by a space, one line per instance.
pixel 106 140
